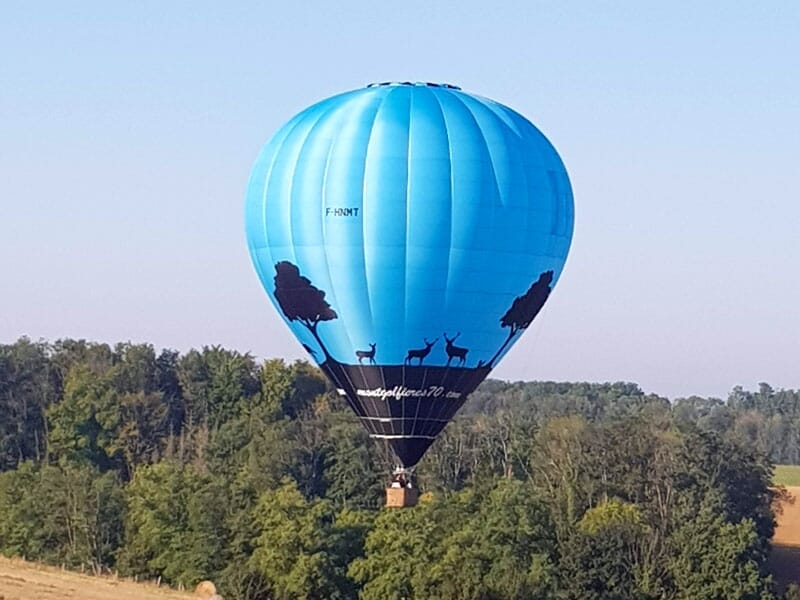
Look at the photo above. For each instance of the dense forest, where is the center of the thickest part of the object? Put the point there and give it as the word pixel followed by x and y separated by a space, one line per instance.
pixel 211 465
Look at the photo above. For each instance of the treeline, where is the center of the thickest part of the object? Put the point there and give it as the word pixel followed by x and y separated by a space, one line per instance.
pixel 210 465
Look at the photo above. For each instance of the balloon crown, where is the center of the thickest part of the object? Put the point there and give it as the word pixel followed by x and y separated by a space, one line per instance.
pixel 415 83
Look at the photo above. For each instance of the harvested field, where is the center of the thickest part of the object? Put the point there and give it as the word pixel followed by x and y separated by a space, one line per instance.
pixel 20 580
pixel 785 557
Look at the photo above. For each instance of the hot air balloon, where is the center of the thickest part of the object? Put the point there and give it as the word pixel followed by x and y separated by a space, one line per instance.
pixel 408 234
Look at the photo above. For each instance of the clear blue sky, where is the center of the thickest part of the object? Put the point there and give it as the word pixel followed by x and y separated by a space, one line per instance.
pixel 127 132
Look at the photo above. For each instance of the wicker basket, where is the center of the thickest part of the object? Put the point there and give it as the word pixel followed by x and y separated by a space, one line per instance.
pixel 401 497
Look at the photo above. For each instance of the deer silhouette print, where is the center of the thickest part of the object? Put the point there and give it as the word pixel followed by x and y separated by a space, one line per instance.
pixel 420 353
pixel 455 351
pixel 370 354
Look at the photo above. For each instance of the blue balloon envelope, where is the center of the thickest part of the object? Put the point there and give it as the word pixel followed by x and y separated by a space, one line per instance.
pixel 408 234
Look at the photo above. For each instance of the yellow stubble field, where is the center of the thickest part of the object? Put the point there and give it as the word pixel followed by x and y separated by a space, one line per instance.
pixel 785 556
pixel 20 580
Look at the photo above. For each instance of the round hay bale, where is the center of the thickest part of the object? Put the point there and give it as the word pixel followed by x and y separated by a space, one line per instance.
pixel 206 590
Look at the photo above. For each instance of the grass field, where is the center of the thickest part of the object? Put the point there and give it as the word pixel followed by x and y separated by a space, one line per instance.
pixel 20 580
pixel 788 475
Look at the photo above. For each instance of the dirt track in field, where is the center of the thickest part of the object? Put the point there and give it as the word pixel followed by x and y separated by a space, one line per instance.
pixel 785 557
pixel 20 580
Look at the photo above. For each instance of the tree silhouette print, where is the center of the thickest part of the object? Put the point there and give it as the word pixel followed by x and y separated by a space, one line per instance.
pixel 301 301
pixel 524 310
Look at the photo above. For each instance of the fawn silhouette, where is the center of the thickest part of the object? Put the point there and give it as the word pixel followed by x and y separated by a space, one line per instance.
pixel 420 353
pixel 455 351
pixel 370 354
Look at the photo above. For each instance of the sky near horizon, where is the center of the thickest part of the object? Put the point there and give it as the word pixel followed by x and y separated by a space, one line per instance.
pixel 128 130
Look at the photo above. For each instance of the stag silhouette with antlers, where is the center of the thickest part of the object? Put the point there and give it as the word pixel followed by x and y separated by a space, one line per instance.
pixel 455 351
pixel 420 353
